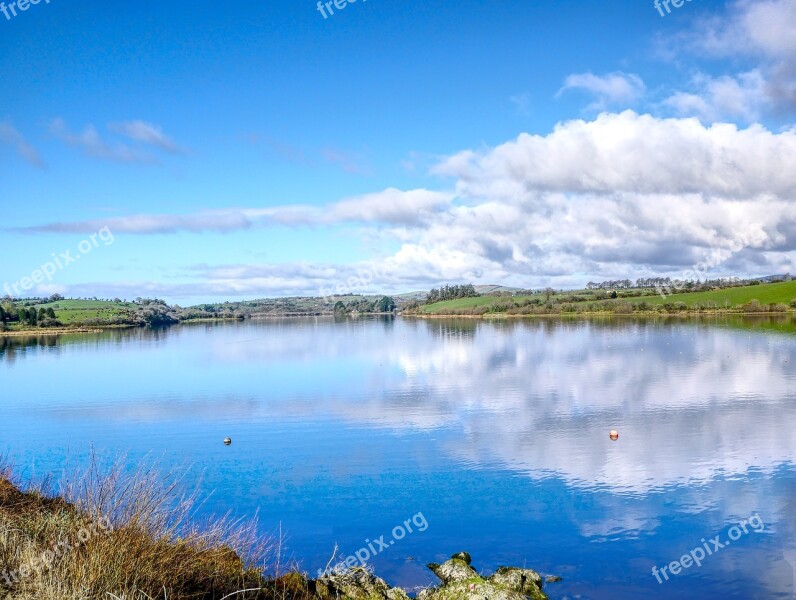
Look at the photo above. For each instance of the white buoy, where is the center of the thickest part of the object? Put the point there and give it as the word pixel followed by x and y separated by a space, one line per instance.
pixel 227 441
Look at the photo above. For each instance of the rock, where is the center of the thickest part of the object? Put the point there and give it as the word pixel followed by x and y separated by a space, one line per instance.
pixel 455 569
pixel 461 582
pixel 464 590
pixel 524 581
pixel 465 556
pixel 357 584
pixel 552 579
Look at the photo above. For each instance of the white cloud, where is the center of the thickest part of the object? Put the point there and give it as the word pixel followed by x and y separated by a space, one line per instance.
pixel 628 152
pixel 390 206
pixel 609 90
pixel 762 30
pixel 623 195
pixel 740 97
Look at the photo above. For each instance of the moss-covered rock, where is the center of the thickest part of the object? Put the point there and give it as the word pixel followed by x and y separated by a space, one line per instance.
pixel 357 584
pixel 455 569
pixel 465 556
pixel 461 582
pixel 525 581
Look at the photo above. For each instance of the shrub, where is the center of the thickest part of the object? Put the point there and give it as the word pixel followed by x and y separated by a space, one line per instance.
pixel 131 535
pixel 754 307
pixel 793 303
pixel 623 308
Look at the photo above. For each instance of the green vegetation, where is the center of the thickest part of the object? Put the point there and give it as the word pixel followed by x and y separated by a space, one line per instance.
pixel 452 292
pixel 607 298
pixel 131 537
pixel 770 293
pixel 56 312
pixel 126 536
pixel 752 298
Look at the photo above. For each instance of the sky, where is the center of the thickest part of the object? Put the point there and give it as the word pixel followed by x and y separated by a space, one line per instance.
pixel 205 151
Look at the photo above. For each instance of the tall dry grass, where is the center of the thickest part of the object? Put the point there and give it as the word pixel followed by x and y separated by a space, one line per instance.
pixel 111 533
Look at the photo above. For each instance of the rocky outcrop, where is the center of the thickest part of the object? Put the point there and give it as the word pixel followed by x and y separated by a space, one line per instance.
pixel 459 582
pixel 356 584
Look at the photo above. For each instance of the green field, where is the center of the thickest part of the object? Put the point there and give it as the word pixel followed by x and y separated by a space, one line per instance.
pixel 448 305
pixel 77 311
pixel 771 293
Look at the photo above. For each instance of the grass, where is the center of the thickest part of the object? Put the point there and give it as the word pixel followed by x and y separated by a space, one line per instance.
pixel 769 293
pixel 128 537
pixel 731 298
pixel 71 312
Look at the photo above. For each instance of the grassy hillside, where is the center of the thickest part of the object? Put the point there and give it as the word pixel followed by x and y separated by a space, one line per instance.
pixel 771 293
pixel 70 312
pixel 586 301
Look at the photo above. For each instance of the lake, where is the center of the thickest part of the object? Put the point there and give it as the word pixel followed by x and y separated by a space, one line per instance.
pixel 445 435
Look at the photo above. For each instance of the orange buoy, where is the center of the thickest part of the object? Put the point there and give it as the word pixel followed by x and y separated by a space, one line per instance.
pixel 614 434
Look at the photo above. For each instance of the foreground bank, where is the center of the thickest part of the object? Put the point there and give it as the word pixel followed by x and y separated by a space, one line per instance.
pixel 122 537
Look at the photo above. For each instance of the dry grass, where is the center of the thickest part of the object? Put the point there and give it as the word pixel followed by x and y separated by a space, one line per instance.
pixel 112 534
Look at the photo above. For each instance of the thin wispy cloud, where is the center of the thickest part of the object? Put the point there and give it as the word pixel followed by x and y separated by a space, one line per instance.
pixel 521 103
pixel 92 145
pixel 350 163
pixel 11 136
pixel 389 207
pixel 614 89
pixel 142 135
pixel 147 133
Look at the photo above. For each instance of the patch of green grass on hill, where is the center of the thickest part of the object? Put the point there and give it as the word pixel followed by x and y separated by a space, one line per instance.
pixel 78 311
pixel 771 293
pixel 768 293
pixel 448 305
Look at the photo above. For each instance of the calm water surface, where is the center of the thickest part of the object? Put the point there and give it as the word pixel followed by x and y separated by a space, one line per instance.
pixel 497 432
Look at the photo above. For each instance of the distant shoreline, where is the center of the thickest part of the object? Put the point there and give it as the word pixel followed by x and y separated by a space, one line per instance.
pixel 646 314
pixel 484 317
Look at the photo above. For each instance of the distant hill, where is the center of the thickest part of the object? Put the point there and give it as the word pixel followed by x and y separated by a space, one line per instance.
pixel 494 289
pixel 481 289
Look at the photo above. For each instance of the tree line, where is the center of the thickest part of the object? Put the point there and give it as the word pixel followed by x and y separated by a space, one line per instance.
pixel 27 316
pixel 451 292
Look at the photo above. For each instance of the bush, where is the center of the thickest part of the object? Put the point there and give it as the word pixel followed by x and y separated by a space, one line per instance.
pixel 623 308
pixel 131 535
pixel 793 303
pixel 754 307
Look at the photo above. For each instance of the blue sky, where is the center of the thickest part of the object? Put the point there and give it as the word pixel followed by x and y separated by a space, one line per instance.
pixel 249 149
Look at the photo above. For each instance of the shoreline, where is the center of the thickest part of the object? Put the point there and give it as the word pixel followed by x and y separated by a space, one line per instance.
pixel 59 331
pixel 644 314
pixel 127 530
